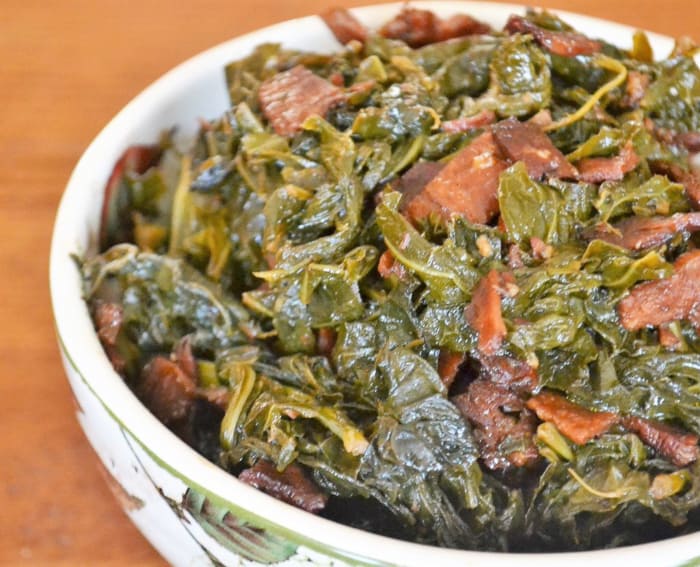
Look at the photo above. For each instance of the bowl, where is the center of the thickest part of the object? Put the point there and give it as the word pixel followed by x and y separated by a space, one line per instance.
pixel 193 512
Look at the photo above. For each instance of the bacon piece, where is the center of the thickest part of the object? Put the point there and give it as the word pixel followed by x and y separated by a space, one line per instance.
pixel 344 25
pixel 420 27
pixel 466 186
pixel 184 358
pixel 566 44
pixel 638 233
pixel 635 89
pixel 599 169
pixel 484 313
pixel 166 390
pixel 689 140
pixel 388 266
pixel 674 172
pixel 219 396
pixel 460 25
pixel 135 159
pixel 459 125
pixel 515 257
pixel 291 485
pixel 540 249
pixel 422 207
pixel 412 183
pixel 290 97
pixel 325 340
pixel 573 421
pixel 664 301
pixel 448 366
pixel 526 142
pixel 497 415
pixel 678 447
pixel 412 26
pixel 668 338
pixel 509 371
pixel 336 79
pixel 109 318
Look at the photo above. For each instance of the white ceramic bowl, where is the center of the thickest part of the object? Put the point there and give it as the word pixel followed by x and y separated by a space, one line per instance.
pixel 193 512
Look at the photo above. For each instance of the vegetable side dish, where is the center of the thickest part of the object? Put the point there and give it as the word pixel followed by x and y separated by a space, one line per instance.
pixel 442 285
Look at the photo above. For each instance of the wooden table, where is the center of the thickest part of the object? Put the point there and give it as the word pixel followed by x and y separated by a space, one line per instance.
pixel 65 69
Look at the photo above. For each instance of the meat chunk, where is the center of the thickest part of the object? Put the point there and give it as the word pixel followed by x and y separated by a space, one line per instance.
pixel 500 420
pixel 388 266
pixel 219 396
pixel 526 142
pixel 184 358
pixel 412 183
pixel 344 25
pixel 484 313
pixel 448 366
pixel 412 26
pixel 664 301
pixel 289 98
pixel 689 140
pixel 460 25
pixel 674 172
pixel 166 390
pixel 565 43
pixel 668 339
pixel 573 421
pixel 599 169
pixel 635 89
pixel 420 27
pixel 678 447
pixel 540 249
pixel 508 371
pixel 479 120
pixel 639 233
pixel 109 318
pixel 515 257
pixel 291 485
pixel 467 186
pixel 115 223
pixel 325 340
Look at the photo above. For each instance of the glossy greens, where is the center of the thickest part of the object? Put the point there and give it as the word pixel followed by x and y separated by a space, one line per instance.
pixel 305 319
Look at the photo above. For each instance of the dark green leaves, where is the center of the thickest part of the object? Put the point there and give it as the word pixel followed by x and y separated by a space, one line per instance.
pixel 673 100
pixel 445 269
pixel 531 209
pixel 520 81
pixel 282 279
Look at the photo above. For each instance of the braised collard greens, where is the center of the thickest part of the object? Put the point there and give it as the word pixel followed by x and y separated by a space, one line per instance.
pixel 442 285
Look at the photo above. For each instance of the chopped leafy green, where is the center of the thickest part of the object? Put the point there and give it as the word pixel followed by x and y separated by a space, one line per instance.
pixel 314 297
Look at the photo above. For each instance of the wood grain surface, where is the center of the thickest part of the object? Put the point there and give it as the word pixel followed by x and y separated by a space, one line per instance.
pixel 65 69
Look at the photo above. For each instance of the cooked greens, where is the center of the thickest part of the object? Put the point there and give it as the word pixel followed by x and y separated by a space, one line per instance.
pixel 413 277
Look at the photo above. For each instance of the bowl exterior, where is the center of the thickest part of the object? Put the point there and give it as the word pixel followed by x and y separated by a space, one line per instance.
pixel 184 523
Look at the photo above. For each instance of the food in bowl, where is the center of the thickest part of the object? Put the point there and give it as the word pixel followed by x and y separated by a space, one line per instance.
pixel 440 285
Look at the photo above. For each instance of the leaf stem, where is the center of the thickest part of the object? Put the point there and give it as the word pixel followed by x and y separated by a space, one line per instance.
pixel 609 64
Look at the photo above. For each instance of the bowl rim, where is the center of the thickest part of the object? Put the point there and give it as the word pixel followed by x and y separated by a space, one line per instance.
pixel 81 348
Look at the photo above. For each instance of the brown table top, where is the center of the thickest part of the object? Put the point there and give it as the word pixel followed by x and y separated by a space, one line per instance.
pixel 64 71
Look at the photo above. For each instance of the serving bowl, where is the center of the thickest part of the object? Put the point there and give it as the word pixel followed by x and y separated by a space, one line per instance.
pixel 192 511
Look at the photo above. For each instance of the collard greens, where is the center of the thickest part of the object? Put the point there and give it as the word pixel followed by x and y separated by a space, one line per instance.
pixel 313 316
